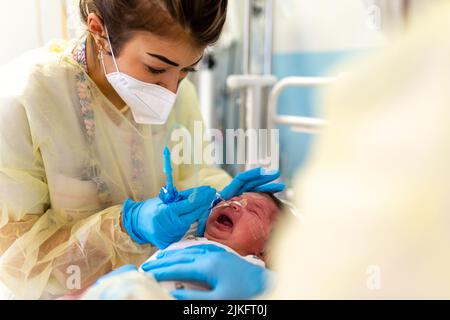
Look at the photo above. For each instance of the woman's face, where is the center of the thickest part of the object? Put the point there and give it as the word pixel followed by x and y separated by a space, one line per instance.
pixel 157 60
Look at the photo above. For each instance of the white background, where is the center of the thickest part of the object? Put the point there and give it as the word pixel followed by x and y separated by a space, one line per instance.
pixel 28 24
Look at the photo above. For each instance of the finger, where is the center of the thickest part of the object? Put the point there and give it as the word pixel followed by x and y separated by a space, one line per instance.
pixel 236 184
pixel 183 294
pixel 194 201
pixel 247 180
pixel 256 174
pixel 270 187
pixel 262 180
pixel 165 262
pixel 202 223
pixel 201 227
pixel 181 272
pixel 206 248
pixel 195 212
pixel 194 250
pixel 202 197
pixel 169 197
pixel 190 218
pixel 186 193
pixel 249 174
pixel 170 253
pixel 199 197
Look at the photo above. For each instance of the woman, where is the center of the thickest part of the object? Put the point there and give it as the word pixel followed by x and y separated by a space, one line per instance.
pixel 82 128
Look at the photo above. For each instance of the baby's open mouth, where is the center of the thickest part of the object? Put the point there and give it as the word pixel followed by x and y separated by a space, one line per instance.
pixel 225 221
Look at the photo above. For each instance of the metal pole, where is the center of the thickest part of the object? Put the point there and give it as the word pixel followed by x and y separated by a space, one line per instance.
pixel 301 123
pixel 268 37
pixel 247 36
pixel 246 46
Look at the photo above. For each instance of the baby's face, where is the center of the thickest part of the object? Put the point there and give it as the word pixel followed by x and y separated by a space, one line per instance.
pixel 243 223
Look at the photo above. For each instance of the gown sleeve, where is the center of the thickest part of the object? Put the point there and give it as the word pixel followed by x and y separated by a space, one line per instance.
pixel 42 256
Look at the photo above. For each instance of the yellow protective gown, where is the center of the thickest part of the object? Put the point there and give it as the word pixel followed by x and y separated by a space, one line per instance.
pixel 376 194
pixel 55 221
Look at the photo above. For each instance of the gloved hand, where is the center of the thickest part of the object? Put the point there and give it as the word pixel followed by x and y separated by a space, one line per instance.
pixel 229 276
pixel 255 180
pixel 201 249
pixel 153 221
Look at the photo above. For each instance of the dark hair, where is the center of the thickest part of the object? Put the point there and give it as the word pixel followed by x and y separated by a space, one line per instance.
pixel 277 201
pixel 201 20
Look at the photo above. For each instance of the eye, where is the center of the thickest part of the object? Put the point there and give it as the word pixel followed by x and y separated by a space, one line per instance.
pixel 252 210
pixel 190 70
pixel 155 71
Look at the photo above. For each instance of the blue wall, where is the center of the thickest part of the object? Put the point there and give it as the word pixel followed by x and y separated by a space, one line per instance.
pixel 294 146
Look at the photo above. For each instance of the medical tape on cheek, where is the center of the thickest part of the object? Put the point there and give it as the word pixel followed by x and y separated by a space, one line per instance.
pixel 241 203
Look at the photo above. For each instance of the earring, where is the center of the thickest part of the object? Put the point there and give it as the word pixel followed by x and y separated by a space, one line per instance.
pixel 100 49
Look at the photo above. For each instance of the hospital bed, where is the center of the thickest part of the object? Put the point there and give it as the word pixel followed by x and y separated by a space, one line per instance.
pixel 297 123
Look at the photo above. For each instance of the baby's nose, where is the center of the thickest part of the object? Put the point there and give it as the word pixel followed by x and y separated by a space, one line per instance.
pixel 235 206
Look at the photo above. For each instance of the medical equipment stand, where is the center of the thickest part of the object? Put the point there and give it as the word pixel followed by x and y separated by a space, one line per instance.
pixel 254 87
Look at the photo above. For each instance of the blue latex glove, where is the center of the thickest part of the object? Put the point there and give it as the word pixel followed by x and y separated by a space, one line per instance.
pixel 229 276
pixel 255 180
pixel 153 221
pixel 201 248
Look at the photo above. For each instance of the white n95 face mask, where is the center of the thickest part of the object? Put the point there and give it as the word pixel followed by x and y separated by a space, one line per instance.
pixel 149 103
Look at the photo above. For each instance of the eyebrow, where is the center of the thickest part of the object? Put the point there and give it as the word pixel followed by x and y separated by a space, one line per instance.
pixel 170 62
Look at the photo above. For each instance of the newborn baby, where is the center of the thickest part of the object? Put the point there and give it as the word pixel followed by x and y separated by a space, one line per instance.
pixel 241 225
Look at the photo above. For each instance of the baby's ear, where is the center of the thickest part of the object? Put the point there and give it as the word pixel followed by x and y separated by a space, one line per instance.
pixel 262 255
pixel 267 257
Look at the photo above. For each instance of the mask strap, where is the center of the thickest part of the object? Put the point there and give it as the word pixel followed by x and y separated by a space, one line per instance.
pixel 112 52
pixel 103 62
